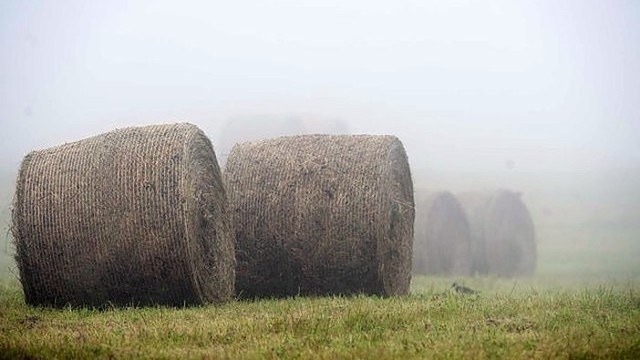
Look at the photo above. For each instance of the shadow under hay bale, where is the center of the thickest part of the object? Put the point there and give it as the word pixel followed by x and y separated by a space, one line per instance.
pixel 442 238
pixel 503 234
pixel 321 214
pixel 135 216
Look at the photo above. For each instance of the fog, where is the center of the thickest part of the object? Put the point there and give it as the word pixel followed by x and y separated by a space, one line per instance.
pixel 539 96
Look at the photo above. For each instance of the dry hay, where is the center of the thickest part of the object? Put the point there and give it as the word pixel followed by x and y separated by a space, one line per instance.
pixel 442 240
pixel 503 234
pixel 321 214
pixel 136 216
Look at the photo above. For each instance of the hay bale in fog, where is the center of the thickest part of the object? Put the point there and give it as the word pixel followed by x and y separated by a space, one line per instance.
pixel 321 214
pixel 442 238
pixel 503 234
pixel 133 216
pixel 474 208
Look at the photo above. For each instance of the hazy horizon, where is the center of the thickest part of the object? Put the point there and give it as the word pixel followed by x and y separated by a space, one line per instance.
pixel 545 86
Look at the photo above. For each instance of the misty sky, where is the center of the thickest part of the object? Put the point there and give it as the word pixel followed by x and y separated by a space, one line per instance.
pixel 550 85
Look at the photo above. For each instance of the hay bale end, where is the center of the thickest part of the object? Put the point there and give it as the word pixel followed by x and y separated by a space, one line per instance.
pixel 136 216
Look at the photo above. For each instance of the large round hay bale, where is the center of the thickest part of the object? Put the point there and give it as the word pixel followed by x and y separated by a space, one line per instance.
pixel 321 214
pixel 442 237
pixel 503 234
pixel 134 216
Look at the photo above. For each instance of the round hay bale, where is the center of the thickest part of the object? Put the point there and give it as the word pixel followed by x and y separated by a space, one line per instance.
pixel 136 216
pixel 442 240
pixel 321 214
pixel 503 234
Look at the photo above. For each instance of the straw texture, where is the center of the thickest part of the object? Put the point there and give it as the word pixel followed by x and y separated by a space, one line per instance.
pixel 136 216
pixel 321 214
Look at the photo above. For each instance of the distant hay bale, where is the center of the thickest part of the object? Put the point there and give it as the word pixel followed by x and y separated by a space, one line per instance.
pixel 442 239
pixel 503 234
pixel 134 216
pixel 321 214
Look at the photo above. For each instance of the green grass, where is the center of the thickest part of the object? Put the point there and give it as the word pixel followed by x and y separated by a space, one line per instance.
pixel 509 319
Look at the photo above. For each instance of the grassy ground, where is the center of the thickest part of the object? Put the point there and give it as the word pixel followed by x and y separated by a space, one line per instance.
pixel 583 303
pixel 508 319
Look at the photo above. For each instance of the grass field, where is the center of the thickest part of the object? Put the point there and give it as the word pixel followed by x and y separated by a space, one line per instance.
pixel 508 319
pixel 583 303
